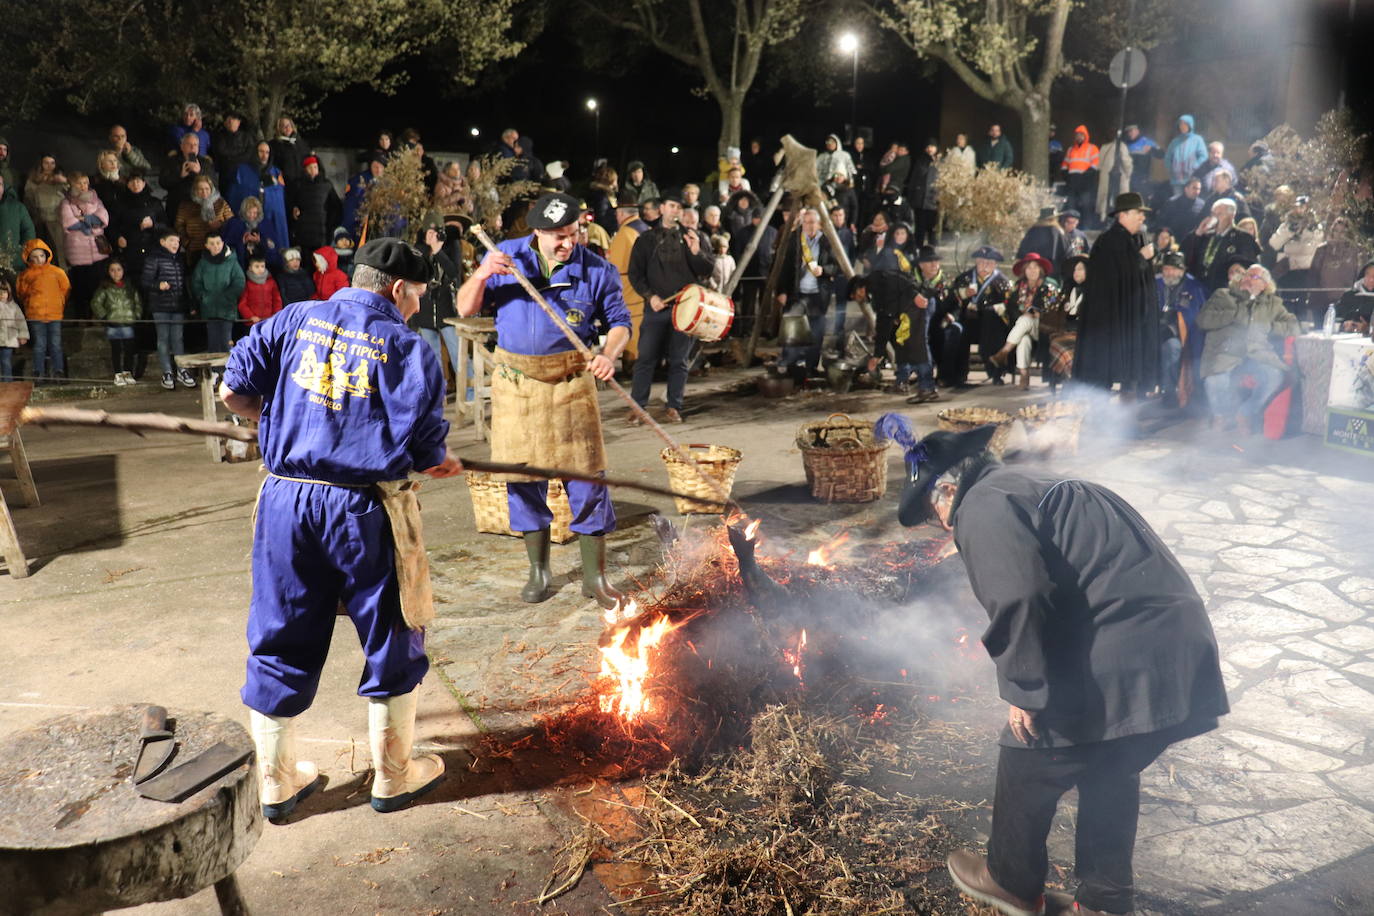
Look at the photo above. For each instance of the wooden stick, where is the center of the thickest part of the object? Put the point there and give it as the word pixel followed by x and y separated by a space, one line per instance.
pixel 138 423
pixel 562 325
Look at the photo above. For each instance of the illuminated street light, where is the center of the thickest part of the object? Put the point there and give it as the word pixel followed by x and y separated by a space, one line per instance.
pixel 673 150
pixel 595 109
pixel 591 104
pixel 849 44
pixel 475 132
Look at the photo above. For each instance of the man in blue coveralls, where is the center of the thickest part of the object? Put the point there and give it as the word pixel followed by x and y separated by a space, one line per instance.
pixel 543 393
pixel 349 401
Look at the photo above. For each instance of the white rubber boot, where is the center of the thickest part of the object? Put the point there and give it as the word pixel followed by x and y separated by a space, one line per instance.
pixel 400 779
pixel 282 780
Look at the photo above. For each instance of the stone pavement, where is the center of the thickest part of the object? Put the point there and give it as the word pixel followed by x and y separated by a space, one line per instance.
pixel 144 581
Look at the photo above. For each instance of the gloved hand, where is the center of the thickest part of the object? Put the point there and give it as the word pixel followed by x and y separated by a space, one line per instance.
pixel 92 220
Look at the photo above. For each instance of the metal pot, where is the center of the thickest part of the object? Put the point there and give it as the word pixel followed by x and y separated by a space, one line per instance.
pixel 776 386
pixel 840 374
pixel 795 331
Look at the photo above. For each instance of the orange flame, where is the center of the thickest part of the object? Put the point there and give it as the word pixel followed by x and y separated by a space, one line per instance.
pixel 624 668
pixel 823 554
pixel 795 657
pixel 752 529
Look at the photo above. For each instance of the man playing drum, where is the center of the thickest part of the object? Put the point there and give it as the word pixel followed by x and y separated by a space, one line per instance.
pixel 543 393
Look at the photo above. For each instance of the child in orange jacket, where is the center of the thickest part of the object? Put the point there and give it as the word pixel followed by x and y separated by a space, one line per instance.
pixel 43 289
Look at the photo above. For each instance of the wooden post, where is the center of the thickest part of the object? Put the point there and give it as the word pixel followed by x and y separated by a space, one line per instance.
pixel 765 310
pixel 753 245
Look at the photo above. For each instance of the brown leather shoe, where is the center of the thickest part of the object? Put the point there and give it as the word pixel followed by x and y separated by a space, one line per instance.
pixel 633 419
pixel 672 416
pixel 970 873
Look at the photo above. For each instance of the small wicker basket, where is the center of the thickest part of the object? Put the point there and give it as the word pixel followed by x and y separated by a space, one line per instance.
pixel 1054 425
pixel 843 461
pixel 963 419
pixel 718 461
pixel 492 511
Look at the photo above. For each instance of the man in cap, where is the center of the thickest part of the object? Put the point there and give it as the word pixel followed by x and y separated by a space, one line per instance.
pixel 935 294
pixel 1104 654
pixel 1217 243
pixel 1180 297
pixel 1118 331
pixel 350 401
pixel 630 228
pixel 983 292
pixel 1075 240
pixel 543 392
pixel 663 262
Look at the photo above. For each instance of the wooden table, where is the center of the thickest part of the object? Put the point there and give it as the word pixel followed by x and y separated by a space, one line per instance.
pixel 208 366
pixel 13 397
pixel 473 336
pixel 76 838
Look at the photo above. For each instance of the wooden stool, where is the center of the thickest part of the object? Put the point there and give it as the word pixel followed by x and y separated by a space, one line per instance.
pixel 76 839
pixel 13 397
pixel 207 366
pixel 473 336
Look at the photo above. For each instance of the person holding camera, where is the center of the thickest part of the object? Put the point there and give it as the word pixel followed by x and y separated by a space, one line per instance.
pixel 1296 241
pixel 180 171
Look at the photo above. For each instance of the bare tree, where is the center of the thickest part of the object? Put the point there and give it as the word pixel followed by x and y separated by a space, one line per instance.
pixel 1007 51
pixel 698 34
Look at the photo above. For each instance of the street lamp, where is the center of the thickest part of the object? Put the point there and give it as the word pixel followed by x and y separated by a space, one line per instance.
pixel 475 132
pixel 849 44
pixel 595 109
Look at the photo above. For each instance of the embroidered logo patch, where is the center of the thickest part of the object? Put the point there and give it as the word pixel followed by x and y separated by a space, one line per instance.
pixel 554 210
pixel 575 317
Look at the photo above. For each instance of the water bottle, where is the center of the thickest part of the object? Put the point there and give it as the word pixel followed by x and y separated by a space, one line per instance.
pixel 1329 324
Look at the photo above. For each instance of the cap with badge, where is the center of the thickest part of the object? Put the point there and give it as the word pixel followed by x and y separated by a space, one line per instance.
pixel 1173 259
pixel 394 258
pixel 553 211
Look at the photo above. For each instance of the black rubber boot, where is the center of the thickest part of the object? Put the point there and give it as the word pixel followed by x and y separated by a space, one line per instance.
pixel 537 589
pixel 594 584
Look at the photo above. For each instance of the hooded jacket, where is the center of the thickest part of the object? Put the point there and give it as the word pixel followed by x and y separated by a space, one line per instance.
pixel 42 290
pixel 829 164
pixel 216 284
pixel 1185 153
pixel 330 280
pixel 1081 157
pixel 16 226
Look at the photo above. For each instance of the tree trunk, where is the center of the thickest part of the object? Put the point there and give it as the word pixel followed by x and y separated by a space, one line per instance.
pixel 731 114
pixel 1035 141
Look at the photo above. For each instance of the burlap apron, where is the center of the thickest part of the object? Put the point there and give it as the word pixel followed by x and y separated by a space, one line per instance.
pixel 401 501
pixel 544 413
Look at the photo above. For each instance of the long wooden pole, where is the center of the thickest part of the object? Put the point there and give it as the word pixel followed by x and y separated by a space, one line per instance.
pixel 582 348
pixel 138 423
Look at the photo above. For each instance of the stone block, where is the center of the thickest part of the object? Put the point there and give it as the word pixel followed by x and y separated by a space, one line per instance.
pixel 1318 600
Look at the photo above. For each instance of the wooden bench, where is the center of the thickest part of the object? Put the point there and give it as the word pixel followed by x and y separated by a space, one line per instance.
pixel 13 397
pixel 473 336
pixel 75 838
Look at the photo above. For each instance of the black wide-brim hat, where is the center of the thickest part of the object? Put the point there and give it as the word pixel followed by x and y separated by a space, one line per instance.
pixel 936 454
pixel 1131 200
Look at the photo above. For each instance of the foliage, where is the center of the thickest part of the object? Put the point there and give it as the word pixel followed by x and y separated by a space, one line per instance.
pixel 494 183
pixel 1002 203
pixel 397 202
pixel 1325 167
pixel 266 57
pixel 691 32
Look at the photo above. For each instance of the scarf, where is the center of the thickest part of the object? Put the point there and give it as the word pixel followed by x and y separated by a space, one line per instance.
pixel 902 261
pixel 258 276
pixel 217 258
pixel 207 206
pixel 251 224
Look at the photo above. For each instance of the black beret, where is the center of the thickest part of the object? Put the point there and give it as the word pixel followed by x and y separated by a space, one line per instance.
pixel 554 211
pixel 395 258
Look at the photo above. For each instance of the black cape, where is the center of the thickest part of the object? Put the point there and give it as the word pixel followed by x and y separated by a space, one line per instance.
pixel 1118 328
pixel 1094 625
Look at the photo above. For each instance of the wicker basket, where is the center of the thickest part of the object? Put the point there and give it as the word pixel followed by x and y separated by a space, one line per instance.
pixel 843 461
pixel 492 511
pixel 718 461
pixel 963 419
pixel 1054 425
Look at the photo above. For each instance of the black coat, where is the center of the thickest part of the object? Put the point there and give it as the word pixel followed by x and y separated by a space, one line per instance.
pixel 1118 327
pixel 1094 625
pixel 1210 255
pixel 232 151
pixel 295 286
pixel 789 282
pixel 922 184
pixel 288 157
pixel 320 210
pixel 1046 240
pixel 661 264
pixel 437 302
pixel 177 186
pixel 164 267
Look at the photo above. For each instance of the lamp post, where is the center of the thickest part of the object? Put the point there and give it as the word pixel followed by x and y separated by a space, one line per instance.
pixel 595 109
pixel 849 44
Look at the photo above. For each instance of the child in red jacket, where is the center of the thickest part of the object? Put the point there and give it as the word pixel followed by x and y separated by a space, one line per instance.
pixel 260 299
pixel 328 278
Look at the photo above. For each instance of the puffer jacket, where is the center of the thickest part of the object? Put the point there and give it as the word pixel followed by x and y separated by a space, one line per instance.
pixel 42 290
pixel 164 266
pixel 1240 328
pixel 16 226
pixel 13 328
pixel 216 284
pixel 330 280
pixel 117 304
pixel 85 212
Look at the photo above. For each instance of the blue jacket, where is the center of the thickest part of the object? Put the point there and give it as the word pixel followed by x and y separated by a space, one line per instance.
pixel 1185 153
pixel 349 393
pixel 1190 300
pixel 586 290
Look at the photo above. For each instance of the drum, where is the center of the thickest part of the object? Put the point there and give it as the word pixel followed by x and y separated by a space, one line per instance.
pixel 703 313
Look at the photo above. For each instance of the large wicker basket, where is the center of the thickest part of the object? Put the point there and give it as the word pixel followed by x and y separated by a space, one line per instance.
pixel 843 461
pixel 1054 425
pixel 718 461
pixel 962 419
pixel 492 511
